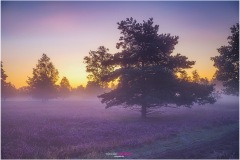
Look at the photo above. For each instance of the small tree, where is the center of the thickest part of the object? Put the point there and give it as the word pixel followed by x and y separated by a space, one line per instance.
pixel 147 71
pixel 24 91
pixel 195 76
pixel 10 91
pixel 64 88
pixel 79 90
pixel 3 74
pixel 45 75
pixel 227 63
pixel 3 83
pixel 93 88
pixel 95 68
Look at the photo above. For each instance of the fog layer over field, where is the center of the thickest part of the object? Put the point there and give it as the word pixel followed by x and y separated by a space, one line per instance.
pixel 83 128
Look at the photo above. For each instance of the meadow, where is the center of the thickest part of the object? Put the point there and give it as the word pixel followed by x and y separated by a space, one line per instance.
pixel 83 128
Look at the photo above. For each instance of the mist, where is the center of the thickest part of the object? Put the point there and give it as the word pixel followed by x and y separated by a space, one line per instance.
pixel 82 127
pixel 148 88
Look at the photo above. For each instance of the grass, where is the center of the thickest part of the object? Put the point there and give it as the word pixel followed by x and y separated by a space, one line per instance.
pixel 183 142
pixel 84 129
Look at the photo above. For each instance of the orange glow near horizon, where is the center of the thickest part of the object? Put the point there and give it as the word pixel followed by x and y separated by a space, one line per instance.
pixel 77 76
pixel 75 72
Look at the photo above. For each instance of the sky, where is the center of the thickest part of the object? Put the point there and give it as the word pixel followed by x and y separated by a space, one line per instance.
pixel 67 31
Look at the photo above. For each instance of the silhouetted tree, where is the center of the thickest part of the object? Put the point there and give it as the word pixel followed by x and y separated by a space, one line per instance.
pixel 147 71
pixel 196 77
pixel 10 91
pixel 65 87
pixel 227 63
pixel 24 91
pixel 3 74
pixel 3 82
pixel 80 90
pixel 45 75
pixel 94 65
pixel 93 88
pixel 7 88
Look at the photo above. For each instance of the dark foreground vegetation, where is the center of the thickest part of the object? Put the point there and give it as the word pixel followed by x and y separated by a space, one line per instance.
pixel 84 129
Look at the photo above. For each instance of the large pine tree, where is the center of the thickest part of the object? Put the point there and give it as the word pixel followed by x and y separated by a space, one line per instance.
pixel 42 83
pixel 147 71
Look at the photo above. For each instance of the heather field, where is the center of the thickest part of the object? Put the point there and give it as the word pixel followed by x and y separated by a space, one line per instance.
pixel 83 128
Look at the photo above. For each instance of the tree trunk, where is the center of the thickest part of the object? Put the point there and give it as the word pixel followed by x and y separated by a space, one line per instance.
pixel 144 112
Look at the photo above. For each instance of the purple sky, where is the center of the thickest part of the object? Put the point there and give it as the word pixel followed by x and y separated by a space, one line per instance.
pixel 67 31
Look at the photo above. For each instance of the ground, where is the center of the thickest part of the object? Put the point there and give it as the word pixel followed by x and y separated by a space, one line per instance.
pixel 83 128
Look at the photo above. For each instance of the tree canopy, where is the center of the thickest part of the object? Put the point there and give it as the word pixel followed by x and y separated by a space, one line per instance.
pixel 227 63
pixel 42 83
pixel 147 70
pixel 94 65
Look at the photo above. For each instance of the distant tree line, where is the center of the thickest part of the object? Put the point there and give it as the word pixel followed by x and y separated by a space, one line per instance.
pixel 43 84
pixel 144 74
